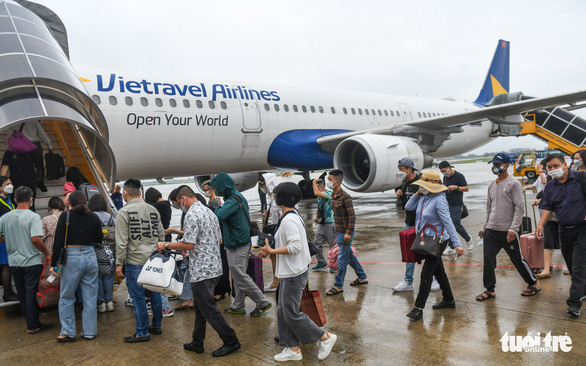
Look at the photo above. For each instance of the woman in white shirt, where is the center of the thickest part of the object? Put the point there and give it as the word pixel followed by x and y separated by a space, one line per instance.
pixel 292 266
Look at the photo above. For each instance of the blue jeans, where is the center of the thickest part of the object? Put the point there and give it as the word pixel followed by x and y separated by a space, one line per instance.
pixel 186 294
pixel 165 303
pixel 137 293
pixel 456 215
pixel 105 287
pixel 80 269
pixel 346 257
pixel 409 267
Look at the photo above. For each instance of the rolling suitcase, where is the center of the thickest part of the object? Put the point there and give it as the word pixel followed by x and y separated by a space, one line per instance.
pixel 532 250
pixel 254 270
pixel 54 166
pixel 526 226
pixel 406 238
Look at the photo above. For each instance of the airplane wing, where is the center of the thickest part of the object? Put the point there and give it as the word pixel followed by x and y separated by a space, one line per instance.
pixel 503 114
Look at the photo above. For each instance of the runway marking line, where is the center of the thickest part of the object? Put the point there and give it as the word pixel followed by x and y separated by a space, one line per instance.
pixel 448 264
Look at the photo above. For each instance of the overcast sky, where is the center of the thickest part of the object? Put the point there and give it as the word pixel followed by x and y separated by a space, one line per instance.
pixel 429 49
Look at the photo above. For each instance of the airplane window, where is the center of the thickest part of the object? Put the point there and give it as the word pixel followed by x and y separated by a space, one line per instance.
pixel 276 107
pixel 320 109
pixel 295 109
pixel 366 111
pixel 373 112
pixel 128 100
pixel 223 105
pixel 392 113
pixel 246 104
pixel 386 113
pixel 304 109
pixel 360 111
pixel 398 114
pixel 186 103
pixel 144 101
pixel 212 104
pixel 267 108
pixel 199 104
pixel 96 99
pixel 312 109
pixel 333 110
pixel 158 102
pixel 286 107
pixel 345 110
pixel 419 114
pixel 353 111
pixel 172 103
pixel 379 113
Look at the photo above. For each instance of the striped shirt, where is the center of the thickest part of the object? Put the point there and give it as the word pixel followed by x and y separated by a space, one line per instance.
pixel 344 215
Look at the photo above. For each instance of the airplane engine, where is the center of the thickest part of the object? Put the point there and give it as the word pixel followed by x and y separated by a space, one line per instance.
pixel 369 162
pixel 243 181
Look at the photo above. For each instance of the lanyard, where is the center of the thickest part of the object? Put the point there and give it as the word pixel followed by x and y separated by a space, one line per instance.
pixel 9 204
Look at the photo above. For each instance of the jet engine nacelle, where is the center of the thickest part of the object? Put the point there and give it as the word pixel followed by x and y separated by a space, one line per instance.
pixel 370 162
pixel 243 181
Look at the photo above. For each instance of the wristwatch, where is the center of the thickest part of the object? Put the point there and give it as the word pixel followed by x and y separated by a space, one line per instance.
pixel 167 245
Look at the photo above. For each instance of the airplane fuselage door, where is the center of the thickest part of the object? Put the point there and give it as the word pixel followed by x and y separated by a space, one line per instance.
pixel 251 122
pixel 405 112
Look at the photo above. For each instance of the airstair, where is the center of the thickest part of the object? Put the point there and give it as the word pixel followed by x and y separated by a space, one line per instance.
pixel 559 128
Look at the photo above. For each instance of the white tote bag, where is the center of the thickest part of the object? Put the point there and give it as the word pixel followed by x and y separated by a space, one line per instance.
pixel 158 275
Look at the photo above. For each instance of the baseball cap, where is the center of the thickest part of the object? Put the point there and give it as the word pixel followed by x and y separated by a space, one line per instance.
pixel 501 158
pixel 444 164
pixel 407 163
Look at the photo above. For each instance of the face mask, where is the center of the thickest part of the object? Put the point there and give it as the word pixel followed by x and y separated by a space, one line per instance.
pixel 330 185
pixel 9 189
pixel 176 206
pixel 423 191
pixel 401 175
pixel 496 170
pixel 207 194
pixel 446 173
pixel 557 173
pixel 577 164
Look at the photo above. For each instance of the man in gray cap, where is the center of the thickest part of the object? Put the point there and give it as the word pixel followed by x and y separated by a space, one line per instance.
pixel 408 189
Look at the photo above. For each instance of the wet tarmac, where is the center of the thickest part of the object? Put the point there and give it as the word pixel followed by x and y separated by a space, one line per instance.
pixel 369 320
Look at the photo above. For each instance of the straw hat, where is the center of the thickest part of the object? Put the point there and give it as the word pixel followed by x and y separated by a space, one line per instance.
pixel 431 180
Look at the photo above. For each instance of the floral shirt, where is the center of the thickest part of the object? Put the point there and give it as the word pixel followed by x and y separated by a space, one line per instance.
pixel 202 229
pixel 49 226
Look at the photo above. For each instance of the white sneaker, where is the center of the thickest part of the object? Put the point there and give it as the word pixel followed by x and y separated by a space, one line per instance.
pixel 403 286
pixel 168 313
pixel 268 288
pixel 128 302
pixel 449 251
pixel 434 285
pixel 110 306
pixel 470 245
pixel 288 355
pixel 325 347
pixel 102 307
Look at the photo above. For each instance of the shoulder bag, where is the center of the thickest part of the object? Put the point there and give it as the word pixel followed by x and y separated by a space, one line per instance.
pixel 254 231
pixel 312 248
pixel 159 273
pixel 426 244
pixel 312 306
pixel 63 252
pixel 19 143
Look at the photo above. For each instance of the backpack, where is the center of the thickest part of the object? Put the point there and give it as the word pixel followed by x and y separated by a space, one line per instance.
pixel 109 231
pixel 89 189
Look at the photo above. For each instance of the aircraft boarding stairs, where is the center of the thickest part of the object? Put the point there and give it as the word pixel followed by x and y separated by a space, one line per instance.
pixel 559 128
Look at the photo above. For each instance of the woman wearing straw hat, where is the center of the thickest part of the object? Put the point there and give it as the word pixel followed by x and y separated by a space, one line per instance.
pixel 432 208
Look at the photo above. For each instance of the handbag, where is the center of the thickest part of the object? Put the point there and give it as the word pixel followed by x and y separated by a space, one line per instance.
pixel 312 248
pixel 465 213
pixel 426 244
pixel 269 229
pixel 48 293
pixel 105 257
pixel 19 143
pixel 63 252
pixel 159 274
pixel 312 306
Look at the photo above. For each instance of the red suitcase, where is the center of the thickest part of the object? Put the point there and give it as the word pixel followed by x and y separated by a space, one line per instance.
pixel 532 250
pixel 406 237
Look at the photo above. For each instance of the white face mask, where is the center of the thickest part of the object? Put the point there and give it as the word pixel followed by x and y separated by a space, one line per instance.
pixel 423 191
pixel 557 173
pixel 401 175
pixel 9 189
pixel 577 164
pixel 206 194
pixel 446 173
pixel 330 185
pixel 496 170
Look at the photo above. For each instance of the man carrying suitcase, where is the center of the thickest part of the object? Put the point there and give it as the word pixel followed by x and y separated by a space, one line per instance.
pixel 571 215
pixel 504 213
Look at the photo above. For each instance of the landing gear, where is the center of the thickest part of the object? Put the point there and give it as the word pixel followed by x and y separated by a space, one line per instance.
pixel 306 185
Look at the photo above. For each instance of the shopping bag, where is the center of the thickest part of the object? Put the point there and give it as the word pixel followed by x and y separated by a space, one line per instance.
pixel 333 256
pixel 48 293
pixel 312 306
pixel 159 274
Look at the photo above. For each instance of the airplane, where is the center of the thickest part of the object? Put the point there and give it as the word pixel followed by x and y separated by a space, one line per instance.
pixel 153 127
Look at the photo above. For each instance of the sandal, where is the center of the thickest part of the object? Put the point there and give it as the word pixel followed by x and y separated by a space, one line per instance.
pixel 543 275
pixel 232 311
pixel 260 311
pixel 485 296
pixel 358 281
pixel 333 291
pixel 183 307
pixel 531 291
pixel 65 338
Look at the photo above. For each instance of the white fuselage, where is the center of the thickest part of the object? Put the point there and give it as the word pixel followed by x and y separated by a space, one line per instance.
pixel 163 128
